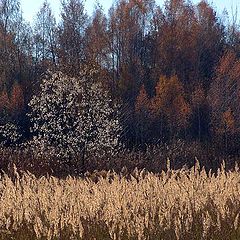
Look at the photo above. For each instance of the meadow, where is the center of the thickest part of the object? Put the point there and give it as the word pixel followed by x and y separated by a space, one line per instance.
pixel 174 204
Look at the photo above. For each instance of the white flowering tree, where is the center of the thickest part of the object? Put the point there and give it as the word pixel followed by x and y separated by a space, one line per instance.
pixel 9 134
pixel 74 115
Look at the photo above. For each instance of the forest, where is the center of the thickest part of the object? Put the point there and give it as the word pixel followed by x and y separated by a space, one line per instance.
pixel 174 69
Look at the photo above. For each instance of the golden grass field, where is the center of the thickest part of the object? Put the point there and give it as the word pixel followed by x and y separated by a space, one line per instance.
pixel 183 204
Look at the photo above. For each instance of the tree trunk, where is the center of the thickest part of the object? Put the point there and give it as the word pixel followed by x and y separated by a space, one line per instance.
pixel 199 125
pixel 83 167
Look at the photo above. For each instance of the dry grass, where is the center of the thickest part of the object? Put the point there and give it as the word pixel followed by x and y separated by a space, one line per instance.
pixel 184 204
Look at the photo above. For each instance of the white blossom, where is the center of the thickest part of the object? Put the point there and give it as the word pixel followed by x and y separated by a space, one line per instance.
pixel 9 134
pixel 70 114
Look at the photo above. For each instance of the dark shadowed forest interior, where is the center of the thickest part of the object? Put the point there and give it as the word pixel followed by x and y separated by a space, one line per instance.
pixel 172 72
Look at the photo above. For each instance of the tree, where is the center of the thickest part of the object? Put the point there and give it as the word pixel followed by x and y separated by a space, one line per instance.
pixel 199 115
pixel 172 34
pixel 228 123
pixel 210 42
pixel 45 35
pixel 96 39
pixel 128 25
pixel 142 110
pixel 17 98
pixel 71 36
pixel 224 95
pixel 9 13
pixel 171 105
pixel 15 49
pixel 9 17
pixel 74 115
pixel 9 134
pixel 4 101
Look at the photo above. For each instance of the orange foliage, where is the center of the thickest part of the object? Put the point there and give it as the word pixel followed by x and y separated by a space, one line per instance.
pixel 224 94
pixel 228 120
pixel 142 101
pixel 182 112
pixel 170 101
pixel 198 96
pixel 226 63
pixel 161 94
pixel 17 98
pixel 4 100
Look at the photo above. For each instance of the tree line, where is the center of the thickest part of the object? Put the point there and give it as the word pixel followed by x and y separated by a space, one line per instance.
pixel 175 67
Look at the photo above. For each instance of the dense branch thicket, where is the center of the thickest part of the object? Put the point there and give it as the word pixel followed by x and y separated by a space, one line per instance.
pixel 175 67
